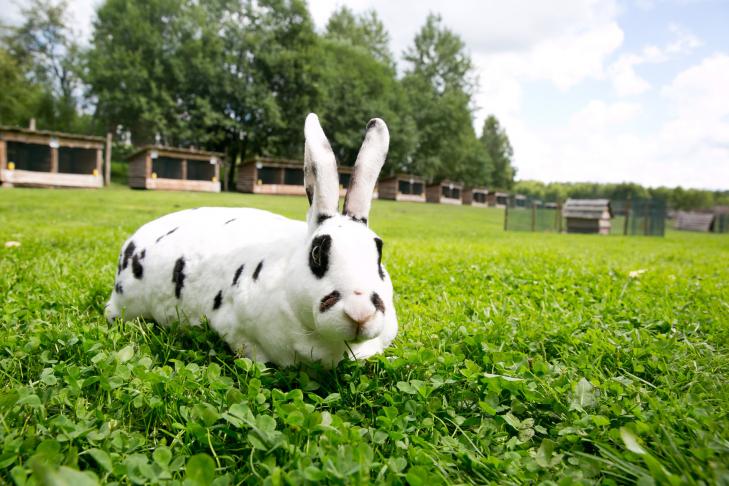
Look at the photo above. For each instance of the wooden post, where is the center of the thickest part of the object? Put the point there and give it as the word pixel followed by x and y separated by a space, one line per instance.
pixel 506 215
pixel 627 216
pixel 216 168
pixel 3 155
pixel 107 160
pixel 184 169
pixel 534 217
pixel 98 162
pixel 645 220
pixel 54 160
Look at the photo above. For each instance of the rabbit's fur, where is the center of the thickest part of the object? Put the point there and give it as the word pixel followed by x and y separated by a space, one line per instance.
pixel 276 290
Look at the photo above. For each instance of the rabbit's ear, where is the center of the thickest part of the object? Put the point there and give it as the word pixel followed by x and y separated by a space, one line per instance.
pixel 320 172
pixel 370 159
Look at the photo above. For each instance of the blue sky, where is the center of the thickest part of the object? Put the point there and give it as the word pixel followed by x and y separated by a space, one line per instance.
pixel 588 90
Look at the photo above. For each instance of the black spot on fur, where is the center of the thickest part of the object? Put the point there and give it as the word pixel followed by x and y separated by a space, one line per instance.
pixel 230 220
pixel 137 268
pixel 118 267
pixel 329 300
pixel 128 252
pixel 309 194
pixel 178 276
pixel 257 271
pixel 358 220
pixel 118 288
pixel 321 218
pixel 319 255
pixel 238 272
pixel 218 300
pixel 167 234
pixel 143 254
pixel 378 243
pixel 371 123
pixel 377 302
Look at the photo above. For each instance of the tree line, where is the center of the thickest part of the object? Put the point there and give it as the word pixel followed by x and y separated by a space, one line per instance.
pixel 675 198
pixel 240 75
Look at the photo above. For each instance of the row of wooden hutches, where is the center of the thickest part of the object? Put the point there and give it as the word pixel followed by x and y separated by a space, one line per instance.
pixel 39 158
pixel 273 176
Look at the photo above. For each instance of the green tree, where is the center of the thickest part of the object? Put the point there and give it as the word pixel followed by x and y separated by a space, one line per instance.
pixel 44 49
pixel 497 145
pixel 20 97
pixel 439 82
pixel 365 30
pixel 358 82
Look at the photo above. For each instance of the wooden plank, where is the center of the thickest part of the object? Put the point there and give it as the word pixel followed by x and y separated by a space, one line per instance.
pixel 98 162
pixel 54 160
pixel 107 160
pixel 41 139
pixel 182 185
pixel 283 189
pixel 3 155
pixel 411 197
pixel 184 169
pixel 48 179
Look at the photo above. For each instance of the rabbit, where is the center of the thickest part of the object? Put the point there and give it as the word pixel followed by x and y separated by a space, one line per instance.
pixel 275 289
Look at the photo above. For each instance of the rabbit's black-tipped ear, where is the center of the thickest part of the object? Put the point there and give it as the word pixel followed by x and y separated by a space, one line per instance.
pixel 320 173
pixel 370 160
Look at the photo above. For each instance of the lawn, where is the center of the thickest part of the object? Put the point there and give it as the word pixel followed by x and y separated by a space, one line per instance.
pixel 522 358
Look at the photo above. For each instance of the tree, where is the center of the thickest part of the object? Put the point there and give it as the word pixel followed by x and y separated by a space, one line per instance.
pixel 439 84
pixel 20 97
pixel 365 31
pixel 358 82
pixel 497 145
pixel 438 55
pixel 45 51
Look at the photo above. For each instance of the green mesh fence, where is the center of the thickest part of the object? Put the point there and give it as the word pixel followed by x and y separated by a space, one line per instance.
pixel 630 217
pixel 721 223
pixel 532 215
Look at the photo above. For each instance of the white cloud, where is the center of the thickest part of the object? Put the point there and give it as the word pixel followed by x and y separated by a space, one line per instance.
pixel 690 148
pixel 625 80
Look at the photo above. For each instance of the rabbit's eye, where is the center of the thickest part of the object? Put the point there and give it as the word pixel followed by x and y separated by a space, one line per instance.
pixel 319 255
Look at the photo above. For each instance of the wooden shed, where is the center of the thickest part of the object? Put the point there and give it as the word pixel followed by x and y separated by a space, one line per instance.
pixel 402 187
pixel 587 215
pixel 475 196
pixel 694 221
pixel 497 199
pixel 39 158
pixel 174 169
pixel 445 192
pixel 279 176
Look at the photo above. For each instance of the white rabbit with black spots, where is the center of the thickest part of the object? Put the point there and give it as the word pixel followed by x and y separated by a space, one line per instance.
pixel 276 290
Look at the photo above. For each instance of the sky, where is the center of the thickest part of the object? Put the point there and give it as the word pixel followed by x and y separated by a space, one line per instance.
pixel 587 90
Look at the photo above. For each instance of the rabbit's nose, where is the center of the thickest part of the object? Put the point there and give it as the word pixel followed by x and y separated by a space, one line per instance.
pixel 359 309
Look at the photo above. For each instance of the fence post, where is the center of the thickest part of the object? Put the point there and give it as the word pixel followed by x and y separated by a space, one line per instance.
pixel 559 217
pixel 627 216
pixel 506 215
pixel 107 160
pixel 534 217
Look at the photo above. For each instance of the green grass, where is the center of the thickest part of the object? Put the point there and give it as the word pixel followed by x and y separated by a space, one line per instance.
pixel 522 358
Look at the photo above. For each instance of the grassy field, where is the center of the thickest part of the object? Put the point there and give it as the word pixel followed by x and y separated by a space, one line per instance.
pixel 522 358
